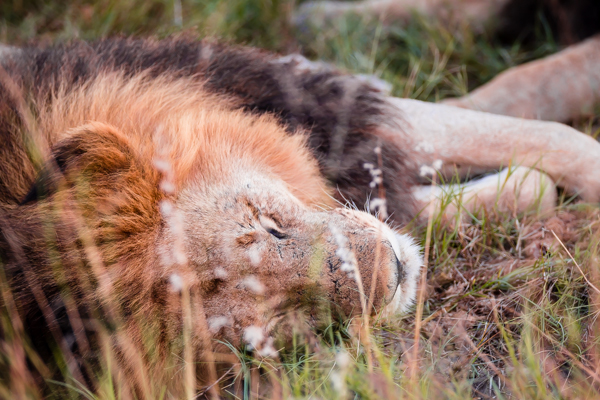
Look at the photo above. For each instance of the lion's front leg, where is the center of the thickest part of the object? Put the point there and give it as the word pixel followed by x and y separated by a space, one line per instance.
pixel 465 139
pixel 557 88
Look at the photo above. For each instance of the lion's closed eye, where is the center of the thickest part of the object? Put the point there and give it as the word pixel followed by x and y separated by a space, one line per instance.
pixel 271 227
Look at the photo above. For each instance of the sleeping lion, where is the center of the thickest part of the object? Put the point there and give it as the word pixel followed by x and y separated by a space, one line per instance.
pixel 143 180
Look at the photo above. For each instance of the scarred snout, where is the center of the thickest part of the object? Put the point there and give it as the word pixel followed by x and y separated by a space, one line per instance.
pixel 388 263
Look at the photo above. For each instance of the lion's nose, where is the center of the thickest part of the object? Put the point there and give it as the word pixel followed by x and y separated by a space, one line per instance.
pixel 405 265
pixel 397 267
pixel 393 264
pixel 383 256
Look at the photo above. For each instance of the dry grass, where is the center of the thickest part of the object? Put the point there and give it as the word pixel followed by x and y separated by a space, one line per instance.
pixel 510 309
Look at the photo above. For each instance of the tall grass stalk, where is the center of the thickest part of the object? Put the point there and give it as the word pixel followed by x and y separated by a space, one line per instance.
pixel 414 361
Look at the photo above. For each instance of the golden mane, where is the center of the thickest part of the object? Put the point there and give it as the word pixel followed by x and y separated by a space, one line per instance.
pixel 201 132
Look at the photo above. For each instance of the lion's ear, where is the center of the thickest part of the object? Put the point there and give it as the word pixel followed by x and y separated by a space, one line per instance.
pixel 109 180
pixel 95 155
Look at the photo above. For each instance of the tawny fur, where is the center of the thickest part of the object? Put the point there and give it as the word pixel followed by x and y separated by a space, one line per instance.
pixel 148 185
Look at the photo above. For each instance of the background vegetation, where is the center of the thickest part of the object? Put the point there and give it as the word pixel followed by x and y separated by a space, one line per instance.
pixel 507 313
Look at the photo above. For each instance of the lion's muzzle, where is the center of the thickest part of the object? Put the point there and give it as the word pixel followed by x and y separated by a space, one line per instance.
pixel 387 263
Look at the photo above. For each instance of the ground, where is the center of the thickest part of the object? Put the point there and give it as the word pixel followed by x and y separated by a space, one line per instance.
pixel 511 302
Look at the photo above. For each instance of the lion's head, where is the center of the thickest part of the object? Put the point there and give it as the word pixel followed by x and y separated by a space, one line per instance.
pixel 271 252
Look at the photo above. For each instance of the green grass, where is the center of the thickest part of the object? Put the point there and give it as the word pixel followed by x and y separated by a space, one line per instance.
pixel 507 313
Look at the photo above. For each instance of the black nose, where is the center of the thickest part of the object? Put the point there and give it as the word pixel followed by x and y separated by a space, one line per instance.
pixel 400 267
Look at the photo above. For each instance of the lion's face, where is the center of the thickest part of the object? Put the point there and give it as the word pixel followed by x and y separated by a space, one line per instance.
pixel 267 252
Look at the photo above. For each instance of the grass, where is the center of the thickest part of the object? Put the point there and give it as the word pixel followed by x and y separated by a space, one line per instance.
pixel 507 312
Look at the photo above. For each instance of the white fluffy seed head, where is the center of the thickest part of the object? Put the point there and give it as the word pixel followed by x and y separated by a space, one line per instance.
pixel 343 252
pixel 220 273
pixel 267 349
pixel 426 171
pixel 216 323
pixel 176 283
pixel 376 175
pixel 252 283
pixel 255 257
pixel 166 208
pixel 167 187
pixel 379 206
pixel 253 336
pixel 338 375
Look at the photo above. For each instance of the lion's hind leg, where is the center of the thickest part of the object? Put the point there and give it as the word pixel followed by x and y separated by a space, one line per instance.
pixel 559 88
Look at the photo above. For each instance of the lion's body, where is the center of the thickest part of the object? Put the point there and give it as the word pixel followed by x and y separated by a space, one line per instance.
pixel 133 171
